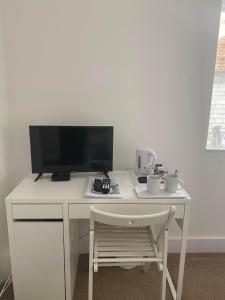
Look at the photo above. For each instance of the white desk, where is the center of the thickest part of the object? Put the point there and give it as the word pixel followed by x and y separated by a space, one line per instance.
pixel 43 224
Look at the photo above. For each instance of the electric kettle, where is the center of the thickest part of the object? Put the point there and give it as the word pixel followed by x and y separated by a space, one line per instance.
pixel 145 161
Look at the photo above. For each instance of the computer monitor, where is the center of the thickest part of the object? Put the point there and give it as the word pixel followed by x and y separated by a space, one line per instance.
pixel 65 149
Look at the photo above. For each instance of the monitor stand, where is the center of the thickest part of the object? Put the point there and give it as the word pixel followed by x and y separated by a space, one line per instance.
pixel 106 174
pixel 38 177
pixel 61 176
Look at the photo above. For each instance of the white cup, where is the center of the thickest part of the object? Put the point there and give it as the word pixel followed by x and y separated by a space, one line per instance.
pixel 171 183
pixel 153 184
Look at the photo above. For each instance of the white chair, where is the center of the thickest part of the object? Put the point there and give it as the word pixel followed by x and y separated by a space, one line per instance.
pixel 117 240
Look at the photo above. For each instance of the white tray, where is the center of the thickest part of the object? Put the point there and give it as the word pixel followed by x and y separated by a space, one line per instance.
pixel 141 190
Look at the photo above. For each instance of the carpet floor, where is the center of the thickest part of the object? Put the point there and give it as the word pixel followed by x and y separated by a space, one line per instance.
pixel 204 279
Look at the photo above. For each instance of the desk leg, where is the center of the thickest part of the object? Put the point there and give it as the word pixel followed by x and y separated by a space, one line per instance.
pixel 183 250
pixel 71 251
pixel 12 248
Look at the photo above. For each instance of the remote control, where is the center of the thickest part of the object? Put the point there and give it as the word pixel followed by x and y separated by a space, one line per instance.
pixel 98 185
pixel 102 185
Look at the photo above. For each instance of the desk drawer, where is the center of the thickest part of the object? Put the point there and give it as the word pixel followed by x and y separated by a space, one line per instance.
pixel 82 211
pixel 37 211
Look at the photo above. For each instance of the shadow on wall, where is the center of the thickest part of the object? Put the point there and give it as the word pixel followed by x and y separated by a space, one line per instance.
pixel 4 186
pixel 4 248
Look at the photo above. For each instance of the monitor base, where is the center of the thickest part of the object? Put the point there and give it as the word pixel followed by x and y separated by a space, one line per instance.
pixel 61 176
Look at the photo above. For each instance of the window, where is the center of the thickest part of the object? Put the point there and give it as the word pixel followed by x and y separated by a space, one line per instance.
pixel 216 130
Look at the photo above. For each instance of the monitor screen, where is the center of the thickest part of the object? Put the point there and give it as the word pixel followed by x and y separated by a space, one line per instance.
pixel 71 148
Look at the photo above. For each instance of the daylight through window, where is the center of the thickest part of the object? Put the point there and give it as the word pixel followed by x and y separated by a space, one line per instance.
pixel 216 130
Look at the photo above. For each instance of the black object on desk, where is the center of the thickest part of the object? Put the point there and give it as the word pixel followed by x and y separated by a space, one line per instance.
pixel 102 185
pixel 142 179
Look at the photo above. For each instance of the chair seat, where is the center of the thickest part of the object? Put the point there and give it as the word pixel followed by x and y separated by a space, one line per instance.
pixel 113 242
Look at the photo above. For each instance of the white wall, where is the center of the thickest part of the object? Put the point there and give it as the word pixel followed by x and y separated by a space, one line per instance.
pixel 145 67
pixel 4 168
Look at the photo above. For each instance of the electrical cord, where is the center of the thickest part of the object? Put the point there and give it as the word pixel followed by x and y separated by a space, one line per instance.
pixel 6 285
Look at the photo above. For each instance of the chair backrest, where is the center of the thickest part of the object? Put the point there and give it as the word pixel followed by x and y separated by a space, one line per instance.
pixel 164 218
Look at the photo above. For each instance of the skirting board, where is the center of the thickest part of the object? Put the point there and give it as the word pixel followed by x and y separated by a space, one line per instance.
pixel 195 244
pixel 199 244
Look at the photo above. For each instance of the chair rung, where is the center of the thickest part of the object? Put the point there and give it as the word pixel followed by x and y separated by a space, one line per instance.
pixel 105 226
pixel 124 248
pixel 132 231
pixel 126 260
pixel 123 244
pixel 116 238
pixel 104 233
pixel 125 254
pixel 117 264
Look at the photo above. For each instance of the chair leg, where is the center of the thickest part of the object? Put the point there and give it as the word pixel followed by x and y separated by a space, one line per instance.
pixel 90 284
pixel 163 292
pixel 165 252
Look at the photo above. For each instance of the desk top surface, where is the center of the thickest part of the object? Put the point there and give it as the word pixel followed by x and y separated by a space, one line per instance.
pixel 46 191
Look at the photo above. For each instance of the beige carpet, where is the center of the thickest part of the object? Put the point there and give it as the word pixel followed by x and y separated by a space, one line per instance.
pixel 204 280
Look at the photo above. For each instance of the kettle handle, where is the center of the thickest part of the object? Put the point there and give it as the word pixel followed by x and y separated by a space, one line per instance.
pixel 153 153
